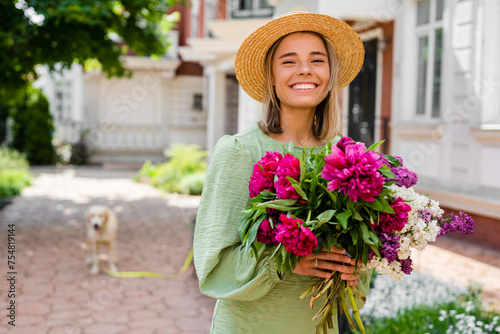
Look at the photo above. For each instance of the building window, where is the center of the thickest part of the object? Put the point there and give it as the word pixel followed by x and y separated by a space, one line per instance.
pixel 251 8
pixel 429 34
pixel 198 102
pixel 62 103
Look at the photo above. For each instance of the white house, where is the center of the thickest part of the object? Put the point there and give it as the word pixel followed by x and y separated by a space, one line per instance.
pixel 129 120
pixel 446 104
pixel 429 85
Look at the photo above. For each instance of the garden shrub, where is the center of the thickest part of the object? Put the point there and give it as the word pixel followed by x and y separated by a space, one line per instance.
pixel 33 127
pixel 184 171
pixel 192 184
pixel 14 173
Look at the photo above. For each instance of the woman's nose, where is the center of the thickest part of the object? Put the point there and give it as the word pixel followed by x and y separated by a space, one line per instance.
pixel 304 69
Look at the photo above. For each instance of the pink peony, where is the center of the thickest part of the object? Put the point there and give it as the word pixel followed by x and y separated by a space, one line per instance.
pixel 289 166
pixel 295 237
pixel 344 142
pixel 390 222
pixel 285 190
pixel 354 172
pixel 266 234
pixel 263 173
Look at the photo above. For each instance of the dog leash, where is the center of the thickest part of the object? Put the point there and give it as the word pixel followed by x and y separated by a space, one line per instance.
pixel 187 262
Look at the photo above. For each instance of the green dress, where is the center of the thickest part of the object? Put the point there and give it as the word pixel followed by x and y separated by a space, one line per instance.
pixel 252 297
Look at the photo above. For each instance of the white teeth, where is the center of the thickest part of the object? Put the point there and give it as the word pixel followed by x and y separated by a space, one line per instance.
pixel 304 86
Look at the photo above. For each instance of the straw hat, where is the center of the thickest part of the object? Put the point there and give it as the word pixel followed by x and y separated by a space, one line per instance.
pixel 249 63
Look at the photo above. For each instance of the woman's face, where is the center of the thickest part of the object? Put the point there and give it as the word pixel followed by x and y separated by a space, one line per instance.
pixel 301 71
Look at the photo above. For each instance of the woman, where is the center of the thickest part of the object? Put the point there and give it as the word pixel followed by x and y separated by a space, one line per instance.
pixel 294 64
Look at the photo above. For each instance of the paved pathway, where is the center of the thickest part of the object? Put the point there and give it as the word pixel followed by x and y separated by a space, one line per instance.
pixel 56 294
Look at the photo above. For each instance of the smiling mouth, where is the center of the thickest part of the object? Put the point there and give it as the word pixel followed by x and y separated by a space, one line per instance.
pixel 303 86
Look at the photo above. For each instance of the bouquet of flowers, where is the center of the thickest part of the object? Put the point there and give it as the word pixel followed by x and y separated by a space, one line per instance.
pixel 346 196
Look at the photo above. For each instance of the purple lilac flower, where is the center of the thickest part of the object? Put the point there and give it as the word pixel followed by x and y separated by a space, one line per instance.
pixel 402 175
pixel 425 214
pixel 354 172
pixel 390 246
pixel 266 234
pixel 289 166
pixel 295 237
pixel 263 173
pixel 462 224
pixel 406 266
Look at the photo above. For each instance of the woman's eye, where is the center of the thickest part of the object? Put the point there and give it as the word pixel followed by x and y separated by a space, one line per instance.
pixel 288 62
pixel 318 61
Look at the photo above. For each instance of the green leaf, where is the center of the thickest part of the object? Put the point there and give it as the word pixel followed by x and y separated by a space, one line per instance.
pixel 379 204
pixel 302 169
pixel 279 204
pixel 327 215
pixel 291 146
pixel 297 188
pixel 386 171
pixel 354 236
pixel 276 250
pixel 366 254
pixel 373 147
pixel 374 237
pixel 254 229
pixel 392 160
pixel 375 250
pixel 343 217
pixel 365 233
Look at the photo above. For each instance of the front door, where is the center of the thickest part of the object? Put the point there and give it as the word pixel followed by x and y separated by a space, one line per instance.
pixel 362 90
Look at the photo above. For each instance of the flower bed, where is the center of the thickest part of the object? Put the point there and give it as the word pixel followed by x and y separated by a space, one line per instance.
pixel 423 304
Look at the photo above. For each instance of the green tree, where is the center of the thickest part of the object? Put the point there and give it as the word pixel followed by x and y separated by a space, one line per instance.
pixel 33 127
pixel 54 32
pixel 62 32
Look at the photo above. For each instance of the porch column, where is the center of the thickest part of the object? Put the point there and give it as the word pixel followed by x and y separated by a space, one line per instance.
pixel 216 107
pixel 249 110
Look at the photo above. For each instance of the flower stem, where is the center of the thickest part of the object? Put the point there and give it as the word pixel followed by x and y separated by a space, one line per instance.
pixel 355 310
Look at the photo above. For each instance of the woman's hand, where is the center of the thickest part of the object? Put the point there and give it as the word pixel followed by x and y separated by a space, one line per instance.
pixel 313 264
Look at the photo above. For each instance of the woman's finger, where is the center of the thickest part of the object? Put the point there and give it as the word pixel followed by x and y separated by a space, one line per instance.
pixel 336 257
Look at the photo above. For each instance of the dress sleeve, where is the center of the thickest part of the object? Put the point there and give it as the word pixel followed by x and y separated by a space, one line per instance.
pixel 225 269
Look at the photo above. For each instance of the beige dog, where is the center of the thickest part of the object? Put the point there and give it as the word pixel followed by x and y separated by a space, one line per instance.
pixel 102 226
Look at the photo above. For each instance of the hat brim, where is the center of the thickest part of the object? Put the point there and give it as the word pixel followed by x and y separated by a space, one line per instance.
pixel 249 63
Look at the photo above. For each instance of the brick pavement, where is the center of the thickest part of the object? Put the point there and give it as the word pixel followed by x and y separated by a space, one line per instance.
pixel 56 293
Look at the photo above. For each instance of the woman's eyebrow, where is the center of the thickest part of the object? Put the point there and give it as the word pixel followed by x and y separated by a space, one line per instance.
pixel 290 54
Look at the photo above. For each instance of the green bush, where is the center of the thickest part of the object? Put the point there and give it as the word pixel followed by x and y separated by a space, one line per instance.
pixel 184 172
pixel 12 159
pixel 33 127
pixel 192 184
pixel 14 173
pixel 12 182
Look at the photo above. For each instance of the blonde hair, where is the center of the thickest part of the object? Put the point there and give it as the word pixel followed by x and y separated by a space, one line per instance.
pixel 327 117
